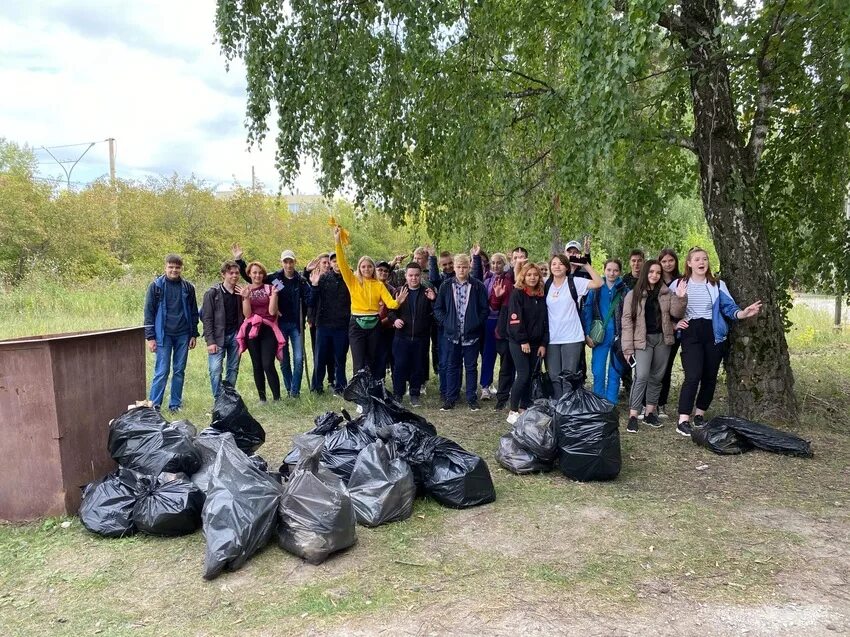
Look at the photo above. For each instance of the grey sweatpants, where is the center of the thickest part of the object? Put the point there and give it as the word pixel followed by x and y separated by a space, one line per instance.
pixel 562 358
pixel 649 371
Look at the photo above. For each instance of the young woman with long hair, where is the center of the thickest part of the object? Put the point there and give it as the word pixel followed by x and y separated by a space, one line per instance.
pixel 563 293
pixel 647 334
pixel 528 333
pixel 259 333
pixel 602 304
pixel 669 261
pixel 703 332
pixel 367 292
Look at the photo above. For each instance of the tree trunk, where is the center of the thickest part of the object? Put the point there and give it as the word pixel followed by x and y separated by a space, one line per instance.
pixel 759 376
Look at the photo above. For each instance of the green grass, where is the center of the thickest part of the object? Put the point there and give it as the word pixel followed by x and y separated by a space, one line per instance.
pixel 680 525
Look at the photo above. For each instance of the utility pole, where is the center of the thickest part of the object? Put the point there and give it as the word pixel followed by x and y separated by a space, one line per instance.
pixel 111 141
pixel 253 179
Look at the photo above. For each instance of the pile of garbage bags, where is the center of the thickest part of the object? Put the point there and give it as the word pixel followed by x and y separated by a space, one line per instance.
pixel 728 435
pixel 579 432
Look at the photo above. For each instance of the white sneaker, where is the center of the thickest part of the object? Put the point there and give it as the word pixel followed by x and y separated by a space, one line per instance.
pixel 642 414
pixel 485 393
pixel 662 412
pixel 359 409
pixel 513 416
pixel 422 391
pixel 493 389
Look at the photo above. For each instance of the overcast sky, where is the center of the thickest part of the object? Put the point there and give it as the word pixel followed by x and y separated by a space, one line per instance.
pixel 147 73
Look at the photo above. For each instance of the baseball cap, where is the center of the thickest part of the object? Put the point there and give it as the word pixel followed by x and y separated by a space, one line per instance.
pixel 382 264
pixel 573 244
pixel 287 254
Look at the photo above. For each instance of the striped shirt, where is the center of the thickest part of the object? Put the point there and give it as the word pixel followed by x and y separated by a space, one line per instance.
pixel 700 300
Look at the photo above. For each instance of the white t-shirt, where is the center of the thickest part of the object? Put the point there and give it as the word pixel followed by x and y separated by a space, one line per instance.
pixel 564 321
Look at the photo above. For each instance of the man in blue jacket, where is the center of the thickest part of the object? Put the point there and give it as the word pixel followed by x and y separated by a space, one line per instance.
pixel 171 330
pixel 461 309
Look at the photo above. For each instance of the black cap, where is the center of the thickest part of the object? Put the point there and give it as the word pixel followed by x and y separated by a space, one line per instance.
pixel 382 264
pixel 332 256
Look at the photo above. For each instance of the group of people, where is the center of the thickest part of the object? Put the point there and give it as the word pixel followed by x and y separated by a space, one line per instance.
pixel 446 313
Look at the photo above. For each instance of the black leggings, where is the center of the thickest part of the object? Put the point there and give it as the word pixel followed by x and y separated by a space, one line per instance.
pixel 263 349
pixel 364 348
pixel 524 364
pixel 507 371
pixel 701 358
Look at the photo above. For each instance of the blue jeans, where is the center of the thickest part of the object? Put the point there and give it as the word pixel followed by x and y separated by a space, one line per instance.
pixel 442 360
pixel 216 361
pixel 488 355
pixel 331 344
pixel 467 355
pixel 171 353
pixel 602 364
pixel 295 344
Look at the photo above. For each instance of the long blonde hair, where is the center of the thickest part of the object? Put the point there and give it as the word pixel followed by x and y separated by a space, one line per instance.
pixel 359 262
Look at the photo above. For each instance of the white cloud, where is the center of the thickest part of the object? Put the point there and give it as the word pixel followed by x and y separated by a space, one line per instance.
pixel 147 73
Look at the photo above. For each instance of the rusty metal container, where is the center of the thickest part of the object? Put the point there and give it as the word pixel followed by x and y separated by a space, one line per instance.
pixel 57 396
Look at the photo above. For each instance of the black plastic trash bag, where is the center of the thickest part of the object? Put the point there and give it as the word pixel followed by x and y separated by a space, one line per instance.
pixel 240 512
pixel 534 431
pixel 381 486
pixel 107 506
pixel 588 434
pixel 515 459
pixel 541 384
pixel 450 474
pixel 343 443
pixel 231 414
pixel 185 426
pixel 720 439
pixel 140 439
pixel 258 461
pixel 316 515
pixel 764 437
pixel 379 408
pixel 208 443
pixel 171 507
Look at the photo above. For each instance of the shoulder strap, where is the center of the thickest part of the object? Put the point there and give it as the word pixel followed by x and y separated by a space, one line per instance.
pixel 573 291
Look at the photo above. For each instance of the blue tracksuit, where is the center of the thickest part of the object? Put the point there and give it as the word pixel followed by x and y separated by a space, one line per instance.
pixel 606 370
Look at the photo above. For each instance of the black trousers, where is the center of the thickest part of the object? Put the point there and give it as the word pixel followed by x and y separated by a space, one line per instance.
pixel 668 374
pixel 364 348
pixel 262 350
pixel 384 355
pixel 408 365
pixel 701 358
pixel 328 362
pixel 524 364
pixel 507 371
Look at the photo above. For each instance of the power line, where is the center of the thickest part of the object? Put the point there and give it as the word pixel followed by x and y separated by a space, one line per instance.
pixel 100 141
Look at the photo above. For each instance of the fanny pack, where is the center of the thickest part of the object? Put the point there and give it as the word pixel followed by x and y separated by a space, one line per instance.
pixel 366 322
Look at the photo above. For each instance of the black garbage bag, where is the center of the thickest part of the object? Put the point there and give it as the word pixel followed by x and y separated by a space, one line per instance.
pixel 108 503
pixel 381 485
pixel 515 459
pixel 231 414
pixel 208 443
pixel 344 440
pixel 541 384
pixel 186 426
pixel 170 507
pixel 450 474
pixel 240 512
pixel 588 433
pixel 765 437
pixel 140 439
pixel 534 431
pixel 379 408
pixel 258 461
pixel 720 439
pixel 315 512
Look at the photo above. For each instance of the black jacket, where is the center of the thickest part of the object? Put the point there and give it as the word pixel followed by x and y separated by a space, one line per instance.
pixel 417 320
pixel 477 310
pixel 332 301
pixel 293 295
pixel 528 319
pixel 212 315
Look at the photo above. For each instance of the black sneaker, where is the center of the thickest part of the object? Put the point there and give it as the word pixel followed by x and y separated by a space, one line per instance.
pixel 500 405
pixel 632 427
pixel 415 402
pixel 474 406
pixel 684 428
pixel 447 406
pixel 652 420
pixel 699 421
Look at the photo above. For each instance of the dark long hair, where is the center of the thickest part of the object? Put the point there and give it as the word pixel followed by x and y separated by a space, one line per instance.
pixel 642 285
pixel 670 252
